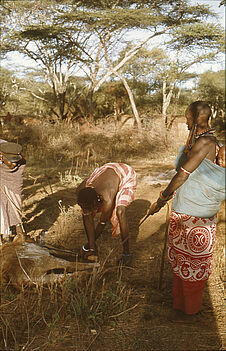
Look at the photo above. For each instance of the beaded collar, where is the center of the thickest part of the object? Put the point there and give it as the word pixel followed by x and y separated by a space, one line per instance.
pixel 205 132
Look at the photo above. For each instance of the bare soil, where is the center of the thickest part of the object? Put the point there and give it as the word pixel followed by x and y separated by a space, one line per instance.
pixel 149 323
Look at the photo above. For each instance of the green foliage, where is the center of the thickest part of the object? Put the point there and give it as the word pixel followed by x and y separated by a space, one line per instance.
pixel 97 300
pixel 109 99
pixel 211 87
pixel 88 35
pixel 24 97
pixel 6 82
pixel 146 72
pixel 144 65
pixel 199 34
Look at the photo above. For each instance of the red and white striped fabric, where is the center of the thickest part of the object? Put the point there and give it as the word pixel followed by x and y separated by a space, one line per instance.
pixel 10 209
pixel 126 192
pixel 11 183
pixel 190 246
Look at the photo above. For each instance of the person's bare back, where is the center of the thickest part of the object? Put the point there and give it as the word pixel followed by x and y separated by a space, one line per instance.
pixel 109 190
pixel 107 185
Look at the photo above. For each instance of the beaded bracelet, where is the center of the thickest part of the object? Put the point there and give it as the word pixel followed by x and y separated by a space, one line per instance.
pixel 87 250
pixel 162 198
pixel 185 171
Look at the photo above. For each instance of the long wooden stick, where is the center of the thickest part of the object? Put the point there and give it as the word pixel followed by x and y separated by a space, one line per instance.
pixel 18 210
pixel 164 248
pixel 144 219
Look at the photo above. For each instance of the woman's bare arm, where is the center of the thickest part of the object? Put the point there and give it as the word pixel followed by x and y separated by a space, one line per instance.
pixel 197 154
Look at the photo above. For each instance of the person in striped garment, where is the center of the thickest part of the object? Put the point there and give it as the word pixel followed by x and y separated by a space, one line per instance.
pixel 109 190
pixel 198 188
pixel 12 165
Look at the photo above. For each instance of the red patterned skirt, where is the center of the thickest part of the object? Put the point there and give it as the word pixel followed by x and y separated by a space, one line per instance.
pixel 191 244
pixel 190 250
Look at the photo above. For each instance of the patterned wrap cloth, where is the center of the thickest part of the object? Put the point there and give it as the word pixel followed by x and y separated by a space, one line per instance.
pixel 11 182
pixel 126 190
pixel 192 229
pixel 190 246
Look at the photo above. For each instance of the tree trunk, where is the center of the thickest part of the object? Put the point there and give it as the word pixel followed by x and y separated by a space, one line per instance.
pixel 126 85
pixel 132 102
pixel 89 100
pixel 127 57
pixel 58 83
pixel 166 100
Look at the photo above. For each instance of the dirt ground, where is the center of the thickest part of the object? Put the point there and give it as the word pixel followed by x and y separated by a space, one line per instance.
pixel 149 324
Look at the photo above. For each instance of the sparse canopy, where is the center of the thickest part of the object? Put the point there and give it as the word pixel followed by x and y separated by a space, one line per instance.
pixel 87 36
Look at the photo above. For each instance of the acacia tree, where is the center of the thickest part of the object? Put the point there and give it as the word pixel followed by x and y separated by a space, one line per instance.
pixel 211 87
pixel 62 37
pixel 160 74
pixel 174 73
pixel 42 40
pixel 167 72
pixel 210 37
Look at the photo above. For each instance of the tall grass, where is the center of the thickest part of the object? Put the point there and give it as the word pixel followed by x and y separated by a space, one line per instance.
pixel 68 312
pixel 61 147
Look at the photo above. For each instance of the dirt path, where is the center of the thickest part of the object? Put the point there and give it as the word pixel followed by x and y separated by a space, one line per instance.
pixel 148 326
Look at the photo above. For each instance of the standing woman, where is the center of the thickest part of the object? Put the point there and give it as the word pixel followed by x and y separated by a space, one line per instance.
pixel 12 165
pixel 199 189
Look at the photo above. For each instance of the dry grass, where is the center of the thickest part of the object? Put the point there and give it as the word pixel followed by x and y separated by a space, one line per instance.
pixel 43 318
pixel 62 148
pixel 111 308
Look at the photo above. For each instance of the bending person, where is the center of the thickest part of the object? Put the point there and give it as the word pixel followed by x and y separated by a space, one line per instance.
pixel 109 190
pixel 200 189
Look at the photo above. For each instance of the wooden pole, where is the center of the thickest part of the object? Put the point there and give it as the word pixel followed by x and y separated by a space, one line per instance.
pixel 164 248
